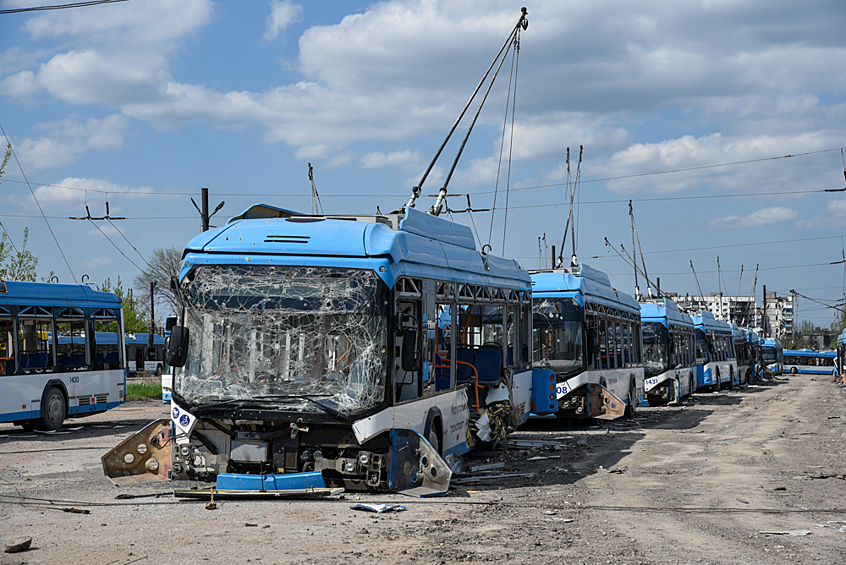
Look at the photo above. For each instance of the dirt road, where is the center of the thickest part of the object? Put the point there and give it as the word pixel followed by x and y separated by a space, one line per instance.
pixel 701 483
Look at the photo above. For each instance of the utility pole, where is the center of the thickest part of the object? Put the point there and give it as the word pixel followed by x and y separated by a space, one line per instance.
pixel 764 317
pixel 152 318
pixel 204 212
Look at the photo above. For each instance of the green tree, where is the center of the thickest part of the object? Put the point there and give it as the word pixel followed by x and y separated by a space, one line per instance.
pixel 20 265
pixel 163 264
pixel 133 321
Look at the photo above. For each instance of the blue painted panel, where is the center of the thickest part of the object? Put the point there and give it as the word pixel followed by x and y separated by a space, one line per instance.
pixel 49 294
pixel 427 225
pixel 594 287
pixel 292 481
pixel 544 400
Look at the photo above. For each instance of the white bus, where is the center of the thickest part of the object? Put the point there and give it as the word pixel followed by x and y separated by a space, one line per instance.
pixel 51 364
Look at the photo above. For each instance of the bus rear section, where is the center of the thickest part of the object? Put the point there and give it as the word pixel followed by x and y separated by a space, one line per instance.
pixel 589 335
pixel 773 357
pixel 59 353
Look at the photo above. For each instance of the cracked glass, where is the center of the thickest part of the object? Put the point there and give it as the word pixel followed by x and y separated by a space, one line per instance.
pixel 300 338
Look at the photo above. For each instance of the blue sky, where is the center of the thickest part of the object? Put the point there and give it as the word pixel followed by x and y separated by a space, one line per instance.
pixel 146 101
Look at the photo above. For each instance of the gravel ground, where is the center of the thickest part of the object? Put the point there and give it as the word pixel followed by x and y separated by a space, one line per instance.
pixel 754 475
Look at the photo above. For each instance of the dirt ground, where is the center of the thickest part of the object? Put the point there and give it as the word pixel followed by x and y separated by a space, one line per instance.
pixel 754 475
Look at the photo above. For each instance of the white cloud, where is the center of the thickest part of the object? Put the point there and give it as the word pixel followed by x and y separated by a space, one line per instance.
pixel 282 14
pixel 404 158
pixel 763 217
pixel 70 138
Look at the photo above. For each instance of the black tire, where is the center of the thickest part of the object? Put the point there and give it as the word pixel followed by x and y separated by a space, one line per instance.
pixel 793 371
pixel 692 386
pixel 53 410
pixel 433 436
pixel 631 407
pixel 730 384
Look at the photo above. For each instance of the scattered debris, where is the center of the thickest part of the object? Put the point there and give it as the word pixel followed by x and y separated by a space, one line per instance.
pixel 786 533
pixel 489 477
pixel 455 463
pixel 76 511
pixel 529 444
pixel 378 508
pixel 250 525
pixel 487 467
pixel 834 524
pixel 743 501
pixel 211 505
pixel 18 544
pixel 542 457
pixel 780 488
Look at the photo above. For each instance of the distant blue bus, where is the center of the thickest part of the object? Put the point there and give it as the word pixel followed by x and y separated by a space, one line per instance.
pixel 809 362
pixel 773 354
pixel 716 360
pixel 589 334
pixel 45 378
pixel 668 352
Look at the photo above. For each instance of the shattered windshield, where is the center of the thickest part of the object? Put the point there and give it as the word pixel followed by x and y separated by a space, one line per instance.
pixel 655 359
pixel 557 328
pixel 770 354
pixel 302 338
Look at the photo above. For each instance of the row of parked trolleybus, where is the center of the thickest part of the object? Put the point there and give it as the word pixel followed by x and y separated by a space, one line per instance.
pixel 360 348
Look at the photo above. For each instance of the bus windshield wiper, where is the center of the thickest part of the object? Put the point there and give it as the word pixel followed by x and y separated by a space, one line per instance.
pixel 327 409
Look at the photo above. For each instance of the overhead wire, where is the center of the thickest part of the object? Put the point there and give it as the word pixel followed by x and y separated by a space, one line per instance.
pixel 516 58
pixel 59 6
pixel 534 187
pixel 115 245
pixel 40 209
pixel 129 242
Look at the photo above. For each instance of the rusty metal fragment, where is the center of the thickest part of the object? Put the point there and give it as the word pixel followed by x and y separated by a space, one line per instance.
pixel 142 457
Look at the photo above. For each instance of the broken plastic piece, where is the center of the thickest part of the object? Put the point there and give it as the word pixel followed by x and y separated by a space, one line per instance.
pixel 292 481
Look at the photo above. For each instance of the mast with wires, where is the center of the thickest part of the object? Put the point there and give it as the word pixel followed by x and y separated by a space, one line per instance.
pixel 570 225
pixel 695 277
pixel 511 42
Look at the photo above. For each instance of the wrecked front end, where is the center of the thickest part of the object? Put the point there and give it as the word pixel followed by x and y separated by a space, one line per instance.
pixel 280 364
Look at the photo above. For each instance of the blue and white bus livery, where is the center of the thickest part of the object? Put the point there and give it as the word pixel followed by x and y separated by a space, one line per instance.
pixel 589 335
pixel 313 345
pixel 773 354
pixel 716 363
pixel 809 362
pixel 51 364
pixel 668 352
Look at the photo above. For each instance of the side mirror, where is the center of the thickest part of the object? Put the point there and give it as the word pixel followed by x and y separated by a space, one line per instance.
pixel 177 349
pixel 409 349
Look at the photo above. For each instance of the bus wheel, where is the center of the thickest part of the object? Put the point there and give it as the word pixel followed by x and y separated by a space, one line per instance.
pixel 433 437
pixel 159 370
pixel 730 384
pixel 632 401
pixel 53 410
pixel 793 370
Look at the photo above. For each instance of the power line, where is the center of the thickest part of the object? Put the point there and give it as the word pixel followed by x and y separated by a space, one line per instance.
pixel 59 6
pixel 130 243
pixel 553 185
pixel 15 155
pixel 115 246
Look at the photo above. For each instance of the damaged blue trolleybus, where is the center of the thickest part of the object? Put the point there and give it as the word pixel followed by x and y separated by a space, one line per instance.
pixel 45 374
pixel 668 351
pixel 589 334
pixel 312 345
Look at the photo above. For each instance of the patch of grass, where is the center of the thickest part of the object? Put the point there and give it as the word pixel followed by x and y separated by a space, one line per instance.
pixel 140 391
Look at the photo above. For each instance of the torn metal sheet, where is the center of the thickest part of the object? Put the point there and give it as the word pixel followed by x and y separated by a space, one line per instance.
pixel 603 404
pixel 487 467
pixel 292 494
pixel 142 457
pixel 416 468
pixel 530 444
